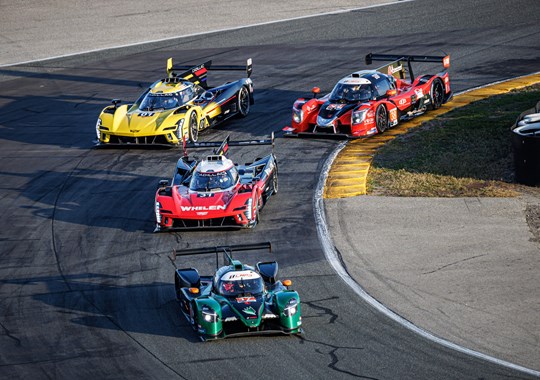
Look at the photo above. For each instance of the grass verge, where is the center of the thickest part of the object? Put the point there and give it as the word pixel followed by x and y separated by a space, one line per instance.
pixel 466 152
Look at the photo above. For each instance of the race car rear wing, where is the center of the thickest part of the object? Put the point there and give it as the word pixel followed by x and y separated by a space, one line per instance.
pixel 223 147
pixel 197 74
pixel 396 66
pixel 226 250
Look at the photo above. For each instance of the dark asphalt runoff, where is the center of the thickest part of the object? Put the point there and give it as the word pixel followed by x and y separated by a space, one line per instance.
pixel 86 288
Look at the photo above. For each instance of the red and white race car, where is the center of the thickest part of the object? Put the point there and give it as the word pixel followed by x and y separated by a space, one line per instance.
pixel 214 192
pixel 370 101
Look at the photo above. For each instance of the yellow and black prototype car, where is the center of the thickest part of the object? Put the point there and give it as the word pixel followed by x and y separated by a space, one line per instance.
pixel 175 109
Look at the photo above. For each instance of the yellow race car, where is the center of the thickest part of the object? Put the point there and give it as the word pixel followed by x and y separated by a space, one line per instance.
pixel 175 109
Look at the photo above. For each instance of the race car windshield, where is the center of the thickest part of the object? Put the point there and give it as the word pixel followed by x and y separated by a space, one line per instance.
pixel 213 181
pixel 351 92
pixel 165 101
pixel 241 287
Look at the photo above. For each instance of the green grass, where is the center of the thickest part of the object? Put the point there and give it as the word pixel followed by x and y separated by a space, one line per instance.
pixel 466 152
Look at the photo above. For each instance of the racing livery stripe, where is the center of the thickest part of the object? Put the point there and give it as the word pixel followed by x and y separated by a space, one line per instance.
pixel 200 72
pixel 223 103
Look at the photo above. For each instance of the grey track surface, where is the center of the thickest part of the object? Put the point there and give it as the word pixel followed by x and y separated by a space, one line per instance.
pixel 86 288
pixel 32 29
pixel 464 269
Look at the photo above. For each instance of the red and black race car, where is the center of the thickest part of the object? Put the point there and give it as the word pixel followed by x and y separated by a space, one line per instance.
pixel 370 101
pixel 214 192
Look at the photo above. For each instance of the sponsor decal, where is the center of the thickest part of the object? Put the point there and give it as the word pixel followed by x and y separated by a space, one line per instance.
pixel 370 113
pixel 372 131
pixel 203 208
pixel 331 107
pixel 392 70
pixel 202 213
pixel 246 300
pixel 369 120
pixel 240 275
pixel 197 68
pixel 356 81
pixel 402 102
pixel 249 310
pixel 446 62
pixel 393 115
pixel 419 93
pixel 310 108
pixel 146 114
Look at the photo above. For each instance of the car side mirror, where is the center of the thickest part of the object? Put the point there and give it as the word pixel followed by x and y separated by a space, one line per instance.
pixel 268 271
pixel 391 92
pixel 208 96
pixel 315 91
pixel 116 102
pixel 163 183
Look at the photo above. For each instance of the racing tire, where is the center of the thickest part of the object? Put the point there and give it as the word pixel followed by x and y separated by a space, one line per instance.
pixel 193 127
pixel 381 119
pixel 243 102
pixel 193 315
pixel 437 93
pixel 275 183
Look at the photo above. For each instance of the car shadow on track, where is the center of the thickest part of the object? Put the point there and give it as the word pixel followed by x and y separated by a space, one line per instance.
pixel 99 301
pixel 68 120
pixel 87 197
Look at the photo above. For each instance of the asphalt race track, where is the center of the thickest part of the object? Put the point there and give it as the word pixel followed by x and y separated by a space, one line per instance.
pixel 86 288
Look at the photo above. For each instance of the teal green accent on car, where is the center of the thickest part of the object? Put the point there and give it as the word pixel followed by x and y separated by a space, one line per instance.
pixel 290 315
pixel 213 327
pixel 238 299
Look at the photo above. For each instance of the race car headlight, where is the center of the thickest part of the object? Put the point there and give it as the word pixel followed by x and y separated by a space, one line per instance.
pixel 249 211
pixel 291 308
pixel 158 214
pixel 358 116
pixel 98 124
pixel 297 115
pixel 209 315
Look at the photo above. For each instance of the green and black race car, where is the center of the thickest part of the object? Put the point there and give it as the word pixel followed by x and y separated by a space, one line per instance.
pixel 239 299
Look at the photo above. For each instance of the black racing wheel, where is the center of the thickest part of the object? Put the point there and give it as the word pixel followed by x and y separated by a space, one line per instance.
pixel 243 102
pixel 193 127
pixel 381 119
pixel 436 93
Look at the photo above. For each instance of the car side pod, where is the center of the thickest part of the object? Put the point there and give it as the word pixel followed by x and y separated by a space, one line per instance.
pixel 208 318
pixel 288 303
